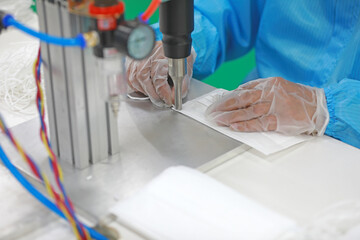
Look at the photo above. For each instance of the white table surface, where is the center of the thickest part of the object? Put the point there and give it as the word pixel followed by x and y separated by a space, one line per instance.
pixel 298 182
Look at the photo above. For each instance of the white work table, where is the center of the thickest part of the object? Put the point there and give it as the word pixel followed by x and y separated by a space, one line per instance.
pixel 298 182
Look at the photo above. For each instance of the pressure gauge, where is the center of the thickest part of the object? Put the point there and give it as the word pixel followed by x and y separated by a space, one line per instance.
pixel 134 39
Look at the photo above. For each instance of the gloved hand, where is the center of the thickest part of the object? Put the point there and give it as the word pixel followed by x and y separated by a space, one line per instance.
pixel 272 104
pixel 150 76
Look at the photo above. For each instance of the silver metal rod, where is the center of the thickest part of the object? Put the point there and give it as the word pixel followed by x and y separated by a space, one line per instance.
pixel 178 93
pixel 177 71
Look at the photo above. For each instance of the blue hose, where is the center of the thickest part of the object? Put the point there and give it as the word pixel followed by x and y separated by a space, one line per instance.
pixel 25 183
pixel 79 41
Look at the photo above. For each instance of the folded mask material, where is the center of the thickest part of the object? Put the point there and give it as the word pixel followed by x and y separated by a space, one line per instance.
pixel 265 142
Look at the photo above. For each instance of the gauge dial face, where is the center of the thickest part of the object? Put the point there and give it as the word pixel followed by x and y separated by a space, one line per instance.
pixel 141 42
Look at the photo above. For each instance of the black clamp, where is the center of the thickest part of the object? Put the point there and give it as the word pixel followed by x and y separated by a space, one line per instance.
pixel 2 15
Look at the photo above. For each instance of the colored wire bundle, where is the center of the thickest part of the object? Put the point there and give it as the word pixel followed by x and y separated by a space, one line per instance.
pixel 33 191
pixel 65 207
pixel 150 10
pixel 62 202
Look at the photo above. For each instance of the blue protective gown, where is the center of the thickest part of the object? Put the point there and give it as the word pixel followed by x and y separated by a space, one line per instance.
pixel 312 42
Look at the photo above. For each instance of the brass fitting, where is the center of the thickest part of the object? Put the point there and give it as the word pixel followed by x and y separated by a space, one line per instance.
pixel 91 38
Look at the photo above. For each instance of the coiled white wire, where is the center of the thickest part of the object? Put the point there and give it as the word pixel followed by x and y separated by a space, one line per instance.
pixel 19 8
pixel 17 84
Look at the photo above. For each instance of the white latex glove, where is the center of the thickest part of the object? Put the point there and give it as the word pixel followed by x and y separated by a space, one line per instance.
pixel 272 104
pixel 150 76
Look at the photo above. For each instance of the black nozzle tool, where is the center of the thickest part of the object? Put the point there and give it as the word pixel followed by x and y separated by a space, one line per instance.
pixel 177 23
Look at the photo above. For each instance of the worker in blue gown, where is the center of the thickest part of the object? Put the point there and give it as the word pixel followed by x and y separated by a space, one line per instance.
pixel 307 76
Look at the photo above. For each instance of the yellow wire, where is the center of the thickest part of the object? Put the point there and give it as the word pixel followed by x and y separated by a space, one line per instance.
pixel 48 149
pixel 62 207
pixel 44 177
pixel 49 189
pixel 50 154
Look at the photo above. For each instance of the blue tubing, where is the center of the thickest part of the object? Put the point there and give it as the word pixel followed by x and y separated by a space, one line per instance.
pixel 26 184
pixel 79 41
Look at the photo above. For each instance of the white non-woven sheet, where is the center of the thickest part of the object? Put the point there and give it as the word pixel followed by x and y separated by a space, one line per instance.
pixel 182 203
pixel 266 143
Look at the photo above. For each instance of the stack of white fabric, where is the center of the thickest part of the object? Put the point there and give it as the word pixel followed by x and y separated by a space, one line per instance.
pixel 183 203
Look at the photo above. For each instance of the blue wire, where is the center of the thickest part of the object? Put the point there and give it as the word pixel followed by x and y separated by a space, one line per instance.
pixel 27 185
pixel 79 41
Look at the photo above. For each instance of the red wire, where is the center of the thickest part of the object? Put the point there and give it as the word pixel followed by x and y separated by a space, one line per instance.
pixel 54 163
pixel 150 10
pixel 32 166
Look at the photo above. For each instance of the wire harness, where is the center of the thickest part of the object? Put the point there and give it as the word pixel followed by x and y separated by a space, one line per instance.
pixel 62 201
pixel 39 196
